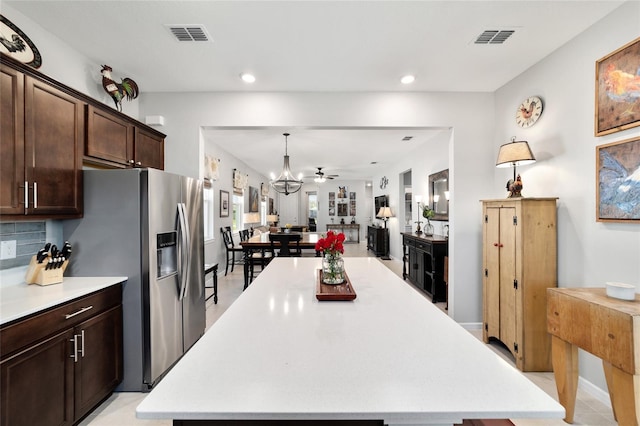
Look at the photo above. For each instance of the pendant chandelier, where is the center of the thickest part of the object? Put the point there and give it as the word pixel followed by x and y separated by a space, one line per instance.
pixel 285 183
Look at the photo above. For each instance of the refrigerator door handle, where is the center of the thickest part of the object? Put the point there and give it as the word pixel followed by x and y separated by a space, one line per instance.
pixel 183 232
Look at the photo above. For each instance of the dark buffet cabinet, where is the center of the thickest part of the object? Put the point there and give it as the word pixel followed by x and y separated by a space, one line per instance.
pixel 423 263
pixel 376 240
pixel 59 364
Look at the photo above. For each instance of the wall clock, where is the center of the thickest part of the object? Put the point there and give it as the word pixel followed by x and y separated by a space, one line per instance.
pixel 16 44
pixel 529 111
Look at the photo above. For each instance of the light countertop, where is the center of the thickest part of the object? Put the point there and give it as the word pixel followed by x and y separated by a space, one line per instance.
pixel 19 299
pixel 278 353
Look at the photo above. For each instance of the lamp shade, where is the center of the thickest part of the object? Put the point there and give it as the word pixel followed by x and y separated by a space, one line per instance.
pixel 385 212
pixel 272 218
pixel 516 153
pixel 251 218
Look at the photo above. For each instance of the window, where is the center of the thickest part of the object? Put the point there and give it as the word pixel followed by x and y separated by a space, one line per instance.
pixel 313 205
pixel 207 201
pixel 238 210
pixel 263 211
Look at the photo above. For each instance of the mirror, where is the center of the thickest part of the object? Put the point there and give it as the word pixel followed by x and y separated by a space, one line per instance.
pixel 439 194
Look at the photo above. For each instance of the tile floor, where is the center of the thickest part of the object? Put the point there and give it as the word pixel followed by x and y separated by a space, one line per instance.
pixel 119 409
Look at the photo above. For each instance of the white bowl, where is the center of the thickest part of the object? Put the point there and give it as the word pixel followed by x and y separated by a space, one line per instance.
pixel 621 291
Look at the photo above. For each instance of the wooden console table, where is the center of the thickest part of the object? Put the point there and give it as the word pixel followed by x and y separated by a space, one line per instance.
pixel 605 327
pixel 346 229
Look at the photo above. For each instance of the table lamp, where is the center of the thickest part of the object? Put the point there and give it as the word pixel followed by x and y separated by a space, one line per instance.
pixel 385 213
pixel 515 153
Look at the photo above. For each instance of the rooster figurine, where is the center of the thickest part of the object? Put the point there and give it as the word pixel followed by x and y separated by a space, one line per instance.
pixel 128 88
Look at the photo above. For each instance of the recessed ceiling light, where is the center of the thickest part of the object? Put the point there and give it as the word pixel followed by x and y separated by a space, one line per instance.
pixel 247 78
pixel 407 79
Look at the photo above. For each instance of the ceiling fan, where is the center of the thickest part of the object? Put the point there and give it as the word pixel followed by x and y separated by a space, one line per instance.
pixel 320 177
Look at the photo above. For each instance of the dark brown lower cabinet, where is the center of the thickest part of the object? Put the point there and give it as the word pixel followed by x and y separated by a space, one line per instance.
pixel 58 379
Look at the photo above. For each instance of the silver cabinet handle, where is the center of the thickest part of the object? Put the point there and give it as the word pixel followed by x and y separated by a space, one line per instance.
pixel 26 194
pixel 67 316
pixel 139 163
pixel 131 162
pixel 35 195
pixel 75 348
pixel 82 343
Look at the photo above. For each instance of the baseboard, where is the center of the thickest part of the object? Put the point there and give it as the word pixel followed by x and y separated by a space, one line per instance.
pixel 471 325
pixel 593 390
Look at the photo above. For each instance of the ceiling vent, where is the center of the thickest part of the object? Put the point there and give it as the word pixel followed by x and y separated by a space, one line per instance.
pixel 407 138
pixel 493 36
pixel 194 32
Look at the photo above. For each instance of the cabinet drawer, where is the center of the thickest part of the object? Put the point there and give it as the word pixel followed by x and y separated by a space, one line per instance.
pixel 30 330
pixel 423 246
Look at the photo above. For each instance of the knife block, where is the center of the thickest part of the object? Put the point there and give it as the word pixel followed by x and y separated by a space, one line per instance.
pixel 37 274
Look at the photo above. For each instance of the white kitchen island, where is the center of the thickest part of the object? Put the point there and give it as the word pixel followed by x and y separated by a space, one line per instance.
pixel 389 355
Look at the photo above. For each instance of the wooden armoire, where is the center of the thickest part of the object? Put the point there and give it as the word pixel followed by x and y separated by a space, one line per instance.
pixel 519 263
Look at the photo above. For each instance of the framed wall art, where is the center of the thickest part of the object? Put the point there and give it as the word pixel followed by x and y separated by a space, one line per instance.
pixel 254 200
pixel 618 90
pixel 618 181
pixel 17 45
pixel 224 203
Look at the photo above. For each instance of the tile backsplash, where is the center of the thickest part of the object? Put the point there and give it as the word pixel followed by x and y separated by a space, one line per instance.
pixel 29 236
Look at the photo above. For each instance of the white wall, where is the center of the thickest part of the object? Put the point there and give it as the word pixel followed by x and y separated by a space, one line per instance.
pixel 471 151
pixel 589 252
pixel 66 65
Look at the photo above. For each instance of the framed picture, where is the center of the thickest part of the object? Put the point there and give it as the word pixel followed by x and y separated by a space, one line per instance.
pixel 342 192
pixel 254 200
pixel 224 203
pixel 17 45
pixel 352 195
pixel 272 209
pixel 352 207
pixel 618 184
pixel 342 209
pixel 618 90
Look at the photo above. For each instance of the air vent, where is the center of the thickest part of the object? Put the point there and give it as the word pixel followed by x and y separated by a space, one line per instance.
pixel 189 32
pixel 407 138
pixel 493 36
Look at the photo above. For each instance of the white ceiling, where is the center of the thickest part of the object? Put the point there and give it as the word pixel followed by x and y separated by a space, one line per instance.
pixel 314 46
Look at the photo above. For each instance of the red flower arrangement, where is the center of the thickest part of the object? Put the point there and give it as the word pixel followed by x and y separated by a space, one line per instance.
pixel 332 244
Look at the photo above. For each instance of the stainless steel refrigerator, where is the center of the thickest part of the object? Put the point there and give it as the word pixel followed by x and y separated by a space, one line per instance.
pixel 147 225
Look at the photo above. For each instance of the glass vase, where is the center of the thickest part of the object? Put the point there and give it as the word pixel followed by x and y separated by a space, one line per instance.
pixel 332 269
pixel 428 229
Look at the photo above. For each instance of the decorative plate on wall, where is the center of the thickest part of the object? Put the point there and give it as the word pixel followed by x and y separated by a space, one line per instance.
pixel 16 44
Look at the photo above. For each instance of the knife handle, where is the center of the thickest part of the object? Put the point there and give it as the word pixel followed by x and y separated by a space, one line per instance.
pixel 26 194
pixel 35 195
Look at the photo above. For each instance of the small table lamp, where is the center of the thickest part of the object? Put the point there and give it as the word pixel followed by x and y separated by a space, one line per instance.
pixel 385 213
pixel 418 200
pixel 272 219
pixel 515 153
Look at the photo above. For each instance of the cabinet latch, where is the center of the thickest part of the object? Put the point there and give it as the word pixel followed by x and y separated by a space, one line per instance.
pixel 486 272
pixel 515 346
pixel 486 327
pixel 515 284
pixel 515 220
pixel 486 218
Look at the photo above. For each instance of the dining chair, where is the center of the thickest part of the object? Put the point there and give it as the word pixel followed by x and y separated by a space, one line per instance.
pixel 289 244
pixel 232 249
pixel 244 235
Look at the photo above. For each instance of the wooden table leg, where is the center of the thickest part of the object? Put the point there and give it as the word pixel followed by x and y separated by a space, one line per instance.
pixel 624 391
pixel 564 357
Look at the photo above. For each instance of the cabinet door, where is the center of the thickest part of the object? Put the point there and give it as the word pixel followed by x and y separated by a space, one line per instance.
pixel 11 141
pixel 99 367
pixel 508 315
pixel 54 134
pixel 37 384
pixel 491 273
pixel 149 149
pixel 109 137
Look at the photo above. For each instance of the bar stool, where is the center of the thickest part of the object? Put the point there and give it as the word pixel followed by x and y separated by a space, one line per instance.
pixel 209 268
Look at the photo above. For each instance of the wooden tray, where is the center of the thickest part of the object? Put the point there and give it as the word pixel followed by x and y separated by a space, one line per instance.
pixel 342 291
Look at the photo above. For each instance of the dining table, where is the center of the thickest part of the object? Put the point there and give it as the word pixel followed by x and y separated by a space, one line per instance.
pixel 260 243
pixel 282 355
